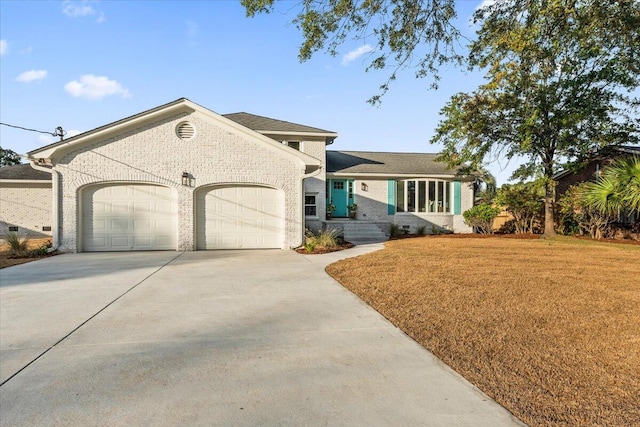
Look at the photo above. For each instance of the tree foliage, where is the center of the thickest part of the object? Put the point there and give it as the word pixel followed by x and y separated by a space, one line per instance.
pixel 617 189
pixel 9 157
pixel 406 33
pixel 560 76
pixel 481 217
pixel 524 201
pixel 577 216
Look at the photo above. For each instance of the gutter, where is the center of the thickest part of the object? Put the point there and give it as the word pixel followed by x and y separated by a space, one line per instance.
pixel 55 220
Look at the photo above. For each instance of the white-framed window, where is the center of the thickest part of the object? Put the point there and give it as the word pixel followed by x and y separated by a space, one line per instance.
pixel 310 206
pixel 293 144
pixel 423 196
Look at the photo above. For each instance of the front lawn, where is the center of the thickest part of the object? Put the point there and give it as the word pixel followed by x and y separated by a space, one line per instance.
pixel 548 328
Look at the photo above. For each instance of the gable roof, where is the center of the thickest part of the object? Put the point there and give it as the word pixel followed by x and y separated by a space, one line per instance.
pixel 23 172
pixel 263 124
pixel 49 154
pixel 383 163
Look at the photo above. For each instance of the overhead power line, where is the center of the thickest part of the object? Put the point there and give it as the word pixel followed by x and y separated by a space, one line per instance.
pixel 58 132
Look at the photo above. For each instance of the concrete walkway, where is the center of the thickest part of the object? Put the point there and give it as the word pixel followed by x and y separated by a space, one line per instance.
pixel 213 338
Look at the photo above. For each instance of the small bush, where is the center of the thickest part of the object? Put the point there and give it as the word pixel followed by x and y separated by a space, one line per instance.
pixel 17 245
pixel 420 230
pixel 326 239
pixel 434 230
pixel 481 217
pixel 394 230
pixel 42 250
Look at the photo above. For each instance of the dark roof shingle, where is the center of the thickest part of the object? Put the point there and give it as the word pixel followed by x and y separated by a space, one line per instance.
pixel 24 172
pixel 362 162
pixel 260 123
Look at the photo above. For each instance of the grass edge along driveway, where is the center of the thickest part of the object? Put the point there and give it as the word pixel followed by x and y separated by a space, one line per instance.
pixel 550 329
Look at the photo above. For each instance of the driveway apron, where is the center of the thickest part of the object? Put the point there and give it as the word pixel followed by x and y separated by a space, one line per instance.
pixel 214 338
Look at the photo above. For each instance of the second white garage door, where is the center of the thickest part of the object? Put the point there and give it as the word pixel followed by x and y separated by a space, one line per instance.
pixel 240 217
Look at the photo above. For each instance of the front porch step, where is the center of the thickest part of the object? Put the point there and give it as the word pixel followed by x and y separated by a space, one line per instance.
pixel 356 231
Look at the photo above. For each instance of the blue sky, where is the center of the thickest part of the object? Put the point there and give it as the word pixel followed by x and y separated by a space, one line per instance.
pixel 83 64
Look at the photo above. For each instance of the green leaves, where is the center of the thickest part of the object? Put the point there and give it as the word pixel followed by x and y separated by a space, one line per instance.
pixel 617 189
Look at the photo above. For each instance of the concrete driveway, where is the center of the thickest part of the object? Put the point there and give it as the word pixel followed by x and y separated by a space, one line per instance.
pixel 213 338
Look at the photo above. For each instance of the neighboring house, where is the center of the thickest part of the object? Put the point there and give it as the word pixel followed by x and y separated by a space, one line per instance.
pixel 591 170
pixel 181 177
pixel 25 201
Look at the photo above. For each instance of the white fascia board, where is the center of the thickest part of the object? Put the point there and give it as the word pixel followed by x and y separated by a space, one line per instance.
pixel 25 181
pixel 318 134
pixel 394 175
pixel 58 149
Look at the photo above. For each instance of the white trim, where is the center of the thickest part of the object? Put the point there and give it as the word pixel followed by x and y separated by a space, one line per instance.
pixel 25 181
pixel 321 134
pixel 397 175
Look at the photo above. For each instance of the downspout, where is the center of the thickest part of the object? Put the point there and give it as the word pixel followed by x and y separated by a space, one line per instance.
pixel 55 220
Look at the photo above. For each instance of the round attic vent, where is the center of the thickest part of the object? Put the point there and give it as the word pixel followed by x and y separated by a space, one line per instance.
pixel 185 130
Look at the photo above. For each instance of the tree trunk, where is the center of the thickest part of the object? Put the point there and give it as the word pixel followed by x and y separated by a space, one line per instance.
pixel 549 200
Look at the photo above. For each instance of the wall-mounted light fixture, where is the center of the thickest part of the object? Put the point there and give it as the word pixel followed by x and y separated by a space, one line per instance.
pixel 187 179
pixel 364 187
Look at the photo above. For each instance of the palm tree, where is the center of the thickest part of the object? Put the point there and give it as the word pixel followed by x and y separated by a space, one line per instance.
pixel 617 189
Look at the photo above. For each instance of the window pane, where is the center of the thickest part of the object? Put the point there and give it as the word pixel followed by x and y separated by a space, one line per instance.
pixel 338 185
pixel 400 196
pixel 294 145
pixel 309 200
pixel 447 197
pixel 310 211
pixel 440 196
pixel 422 196
pixel 411 196
pixel 432 196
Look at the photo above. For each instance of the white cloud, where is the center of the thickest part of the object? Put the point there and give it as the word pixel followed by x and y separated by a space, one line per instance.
pixel 356 53
pixel 46 139
pixel 4 47
pixel 485 3
pixel 95 87
pixel 81 8
pixel 31 75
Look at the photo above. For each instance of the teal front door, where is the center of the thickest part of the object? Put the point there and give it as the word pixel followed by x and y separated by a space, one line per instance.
pixel 339 196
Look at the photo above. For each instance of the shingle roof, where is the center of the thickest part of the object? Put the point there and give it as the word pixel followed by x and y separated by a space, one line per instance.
pixel 266 124
pixel 362 162
pixel 23 172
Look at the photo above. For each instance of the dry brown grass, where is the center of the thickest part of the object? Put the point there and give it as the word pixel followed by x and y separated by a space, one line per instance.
pixel 6 259
pixel 548 328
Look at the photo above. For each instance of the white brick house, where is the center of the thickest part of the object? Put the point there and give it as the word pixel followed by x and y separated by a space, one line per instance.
pixel 181 177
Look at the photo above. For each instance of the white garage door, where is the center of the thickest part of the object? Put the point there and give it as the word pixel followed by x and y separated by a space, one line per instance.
pixel 240 217
pixel 131 217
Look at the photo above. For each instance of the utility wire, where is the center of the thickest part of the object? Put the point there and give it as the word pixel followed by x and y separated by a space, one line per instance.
pixel 58 132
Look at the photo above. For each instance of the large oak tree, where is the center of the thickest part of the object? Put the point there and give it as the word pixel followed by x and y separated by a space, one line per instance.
pixel 560 76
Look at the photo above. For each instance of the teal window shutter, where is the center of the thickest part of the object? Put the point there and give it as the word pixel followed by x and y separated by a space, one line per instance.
pixel 391 197
pixel 457 204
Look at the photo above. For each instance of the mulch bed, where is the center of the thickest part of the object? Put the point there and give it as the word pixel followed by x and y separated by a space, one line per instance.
pixel 549 328
pixel 325 250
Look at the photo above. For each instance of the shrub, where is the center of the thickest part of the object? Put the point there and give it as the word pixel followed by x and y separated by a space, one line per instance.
pixel 327 238
pixel 17 245
pixel 420 230
pixel 525 203
pixel 41 250
pixel 481 217
pixel 394 230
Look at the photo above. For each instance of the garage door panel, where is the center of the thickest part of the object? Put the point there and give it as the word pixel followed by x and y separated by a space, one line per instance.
pixel 239 217
pixel 122 217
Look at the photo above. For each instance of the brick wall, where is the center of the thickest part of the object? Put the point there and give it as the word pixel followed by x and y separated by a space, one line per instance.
pixel 26 206
pixel 217 154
